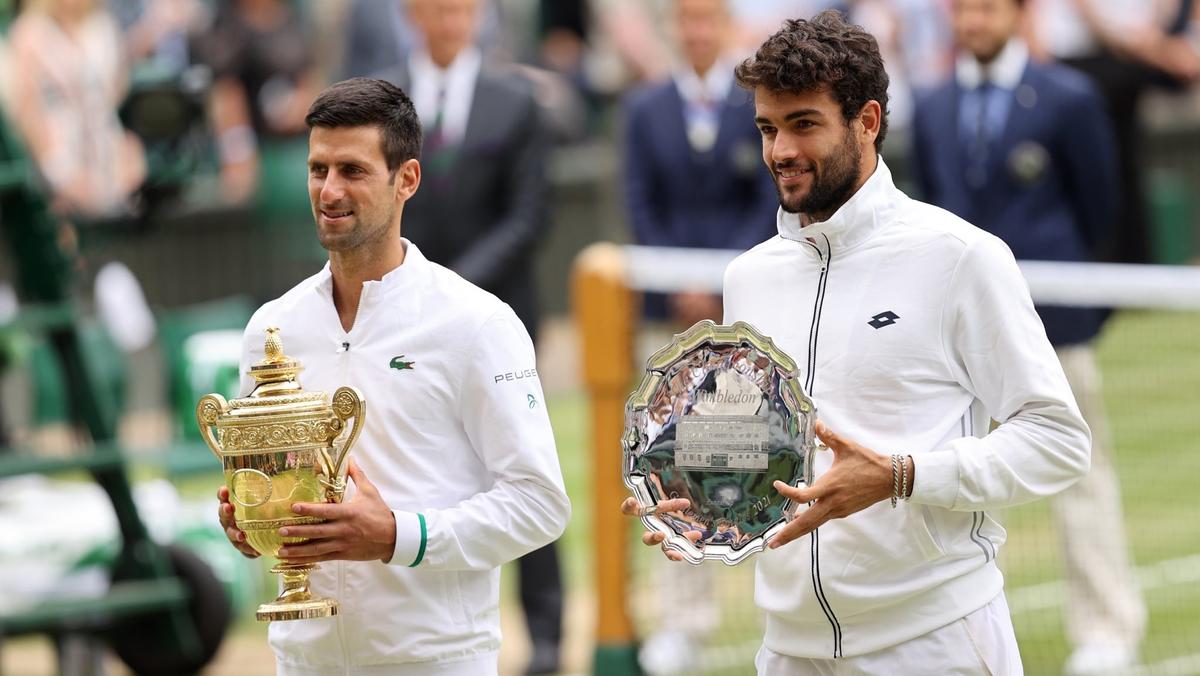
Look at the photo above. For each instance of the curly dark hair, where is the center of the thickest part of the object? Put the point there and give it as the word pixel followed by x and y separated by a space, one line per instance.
pixel 824 52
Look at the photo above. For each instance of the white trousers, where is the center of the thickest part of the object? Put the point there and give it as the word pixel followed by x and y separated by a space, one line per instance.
pixel 1104 604
pixel 980 644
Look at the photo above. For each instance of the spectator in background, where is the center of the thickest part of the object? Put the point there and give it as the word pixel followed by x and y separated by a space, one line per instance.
pixel 629 28
pixel 68 76
pixel 482 209
pixel 380 35
pixel 264 83
pixel 925 42
pixel 692 171
pixel 1126 47
pixel 1026 151
pixel 563 27
pixel 158 32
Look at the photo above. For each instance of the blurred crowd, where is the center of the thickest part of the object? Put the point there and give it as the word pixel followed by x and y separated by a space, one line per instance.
pixel 68 64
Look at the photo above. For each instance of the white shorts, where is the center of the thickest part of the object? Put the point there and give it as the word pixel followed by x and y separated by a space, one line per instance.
pixel 980 644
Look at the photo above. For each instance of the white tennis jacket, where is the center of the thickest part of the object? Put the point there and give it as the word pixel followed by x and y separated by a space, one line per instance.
pixel 458 442
pixel 911 329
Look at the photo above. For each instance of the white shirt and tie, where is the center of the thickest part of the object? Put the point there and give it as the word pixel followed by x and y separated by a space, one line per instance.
pixel 443 96
pixel 703 99
pixel 988 94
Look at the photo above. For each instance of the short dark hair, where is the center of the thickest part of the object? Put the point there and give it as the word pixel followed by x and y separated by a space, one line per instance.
pixel 822 53
pixel 360 102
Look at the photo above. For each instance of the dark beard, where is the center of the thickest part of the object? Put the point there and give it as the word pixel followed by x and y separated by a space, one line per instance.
pixel 832 187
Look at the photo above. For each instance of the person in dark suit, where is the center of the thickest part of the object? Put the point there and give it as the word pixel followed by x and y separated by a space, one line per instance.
pixel 693 175
pixel 1128 48
pixel 481 210
pixel 1026 151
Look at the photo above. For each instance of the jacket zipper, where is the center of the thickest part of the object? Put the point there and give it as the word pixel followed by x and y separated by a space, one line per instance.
pixel 341 568
pixel 344 358
pixel 814 328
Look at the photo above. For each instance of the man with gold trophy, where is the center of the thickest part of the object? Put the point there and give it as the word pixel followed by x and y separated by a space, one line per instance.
pixel 463 470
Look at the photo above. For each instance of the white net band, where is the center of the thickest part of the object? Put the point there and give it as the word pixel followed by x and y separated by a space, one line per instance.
pixel 669 270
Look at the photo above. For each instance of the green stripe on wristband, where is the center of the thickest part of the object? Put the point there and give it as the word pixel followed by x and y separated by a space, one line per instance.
pixel 424 537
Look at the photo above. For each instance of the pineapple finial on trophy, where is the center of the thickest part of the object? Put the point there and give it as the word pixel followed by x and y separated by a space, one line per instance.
pixel 273 349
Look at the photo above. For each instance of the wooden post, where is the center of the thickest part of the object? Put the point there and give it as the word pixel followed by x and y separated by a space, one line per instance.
pixel 604 307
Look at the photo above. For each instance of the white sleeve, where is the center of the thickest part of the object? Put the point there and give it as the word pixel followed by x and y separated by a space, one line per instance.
pixel 997 348
pixel 503 412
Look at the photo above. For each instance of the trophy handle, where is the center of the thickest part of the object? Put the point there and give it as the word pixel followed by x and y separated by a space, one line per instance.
pixel 348 404
pixel 208 409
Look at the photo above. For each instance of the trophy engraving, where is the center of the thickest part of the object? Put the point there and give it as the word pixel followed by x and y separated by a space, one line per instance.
pixel 718 417
pixel 278 446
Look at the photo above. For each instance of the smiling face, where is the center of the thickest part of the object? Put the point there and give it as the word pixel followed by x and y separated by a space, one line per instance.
pixel 817 158
pixel 356 200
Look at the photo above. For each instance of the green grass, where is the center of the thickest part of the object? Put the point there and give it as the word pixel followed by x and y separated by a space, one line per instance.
pixel 1152 392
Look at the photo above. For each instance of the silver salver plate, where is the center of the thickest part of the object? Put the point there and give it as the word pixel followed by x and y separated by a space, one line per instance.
pixel 719 416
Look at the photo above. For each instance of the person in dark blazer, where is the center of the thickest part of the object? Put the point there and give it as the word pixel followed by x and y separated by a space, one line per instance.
pixel 1026 151
pixel 481 209
pixel 693 165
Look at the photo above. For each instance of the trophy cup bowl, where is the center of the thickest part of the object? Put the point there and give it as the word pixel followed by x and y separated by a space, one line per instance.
pixel 278 446
pixel 718 417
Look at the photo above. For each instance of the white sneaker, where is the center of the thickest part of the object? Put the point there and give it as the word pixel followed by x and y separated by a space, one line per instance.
pixel 1096 659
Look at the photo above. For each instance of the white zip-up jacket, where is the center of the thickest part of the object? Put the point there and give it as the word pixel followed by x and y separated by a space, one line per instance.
pixel 911 328
pixel 458 442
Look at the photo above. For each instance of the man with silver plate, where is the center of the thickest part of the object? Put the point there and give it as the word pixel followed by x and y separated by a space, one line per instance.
pixel 910 330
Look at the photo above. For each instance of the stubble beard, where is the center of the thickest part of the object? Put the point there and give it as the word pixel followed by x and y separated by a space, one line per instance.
pixel 831 187
pixel 362 235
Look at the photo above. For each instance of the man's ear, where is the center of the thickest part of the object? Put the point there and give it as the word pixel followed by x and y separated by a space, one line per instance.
pixel 871 117
pixel 408 179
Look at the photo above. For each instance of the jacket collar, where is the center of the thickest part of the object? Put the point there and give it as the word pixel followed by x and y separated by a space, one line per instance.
pixel 855 221
pixel 406 279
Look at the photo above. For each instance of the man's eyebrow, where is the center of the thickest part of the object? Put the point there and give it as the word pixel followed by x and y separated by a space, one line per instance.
pixel 803 112
pixel 794 115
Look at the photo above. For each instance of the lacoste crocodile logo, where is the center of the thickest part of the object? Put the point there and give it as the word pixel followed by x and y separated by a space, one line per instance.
pixel 399 364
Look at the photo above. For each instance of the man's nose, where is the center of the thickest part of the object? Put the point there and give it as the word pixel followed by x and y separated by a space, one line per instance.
pixel 332 189
pixel 785 149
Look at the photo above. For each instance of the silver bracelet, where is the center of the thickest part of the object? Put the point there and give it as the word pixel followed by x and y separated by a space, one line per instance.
pixel 895 479
pixel 904 476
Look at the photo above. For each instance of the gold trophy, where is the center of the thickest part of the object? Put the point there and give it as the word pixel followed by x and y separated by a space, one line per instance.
pixel 277 448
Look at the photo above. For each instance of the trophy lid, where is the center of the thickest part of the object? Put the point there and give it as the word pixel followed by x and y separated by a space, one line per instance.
pixel 275 366
pixel 276 384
